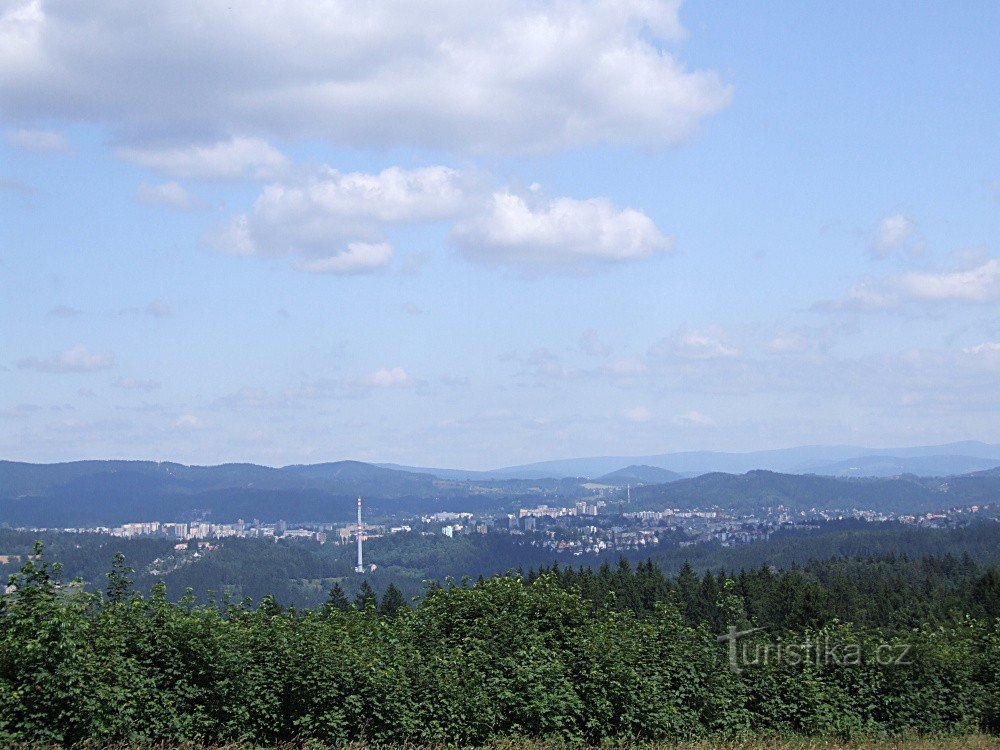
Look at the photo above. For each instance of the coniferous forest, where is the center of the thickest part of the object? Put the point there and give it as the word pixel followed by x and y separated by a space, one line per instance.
pixel 846 647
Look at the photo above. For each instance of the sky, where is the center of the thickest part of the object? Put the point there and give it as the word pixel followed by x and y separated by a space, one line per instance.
pixel 481 234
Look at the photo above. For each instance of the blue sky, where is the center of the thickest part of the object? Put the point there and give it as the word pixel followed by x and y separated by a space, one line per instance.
pixel 466 235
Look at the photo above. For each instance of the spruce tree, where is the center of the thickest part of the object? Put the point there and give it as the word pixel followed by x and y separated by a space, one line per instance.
pixel 338 599
pixel 366 596
pixel 392 602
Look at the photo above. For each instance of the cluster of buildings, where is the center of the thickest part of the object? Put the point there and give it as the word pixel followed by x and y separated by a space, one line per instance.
pixel 948 517
pixel 589 526
pixel 184 530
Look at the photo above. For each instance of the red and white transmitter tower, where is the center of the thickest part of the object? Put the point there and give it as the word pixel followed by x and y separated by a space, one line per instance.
pixel 360 567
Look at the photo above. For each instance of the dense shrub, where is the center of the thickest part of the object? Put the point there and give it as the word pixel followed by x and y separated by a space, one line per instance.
pixel 504 658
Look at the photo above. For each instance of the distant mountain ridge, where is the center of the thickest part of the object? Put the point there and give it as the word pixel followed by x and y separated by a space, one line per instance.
pixel 89 493
pixel 112 492
pixel 639 474
pixel 758 489
pixel 921 460
pixel 894 466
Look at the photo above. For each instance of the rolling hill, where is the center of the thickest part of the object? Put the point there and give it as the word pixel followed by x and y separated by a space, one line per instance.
pixel 639 475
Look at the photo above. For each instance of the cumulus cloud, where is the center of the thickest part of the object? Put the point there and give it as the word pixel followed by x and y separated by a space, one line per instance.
pixel 511 74
pixel 166 194
pixel 988 347
pixel 564 232
pixel 395 377
pixel 38 141
pixel 893 233
pixel 979 284
pixel 232 159
pixel 712 342
pixel 188 422
pixel 333 222
pixel 77 359
pixel 785 343
pixel 357 257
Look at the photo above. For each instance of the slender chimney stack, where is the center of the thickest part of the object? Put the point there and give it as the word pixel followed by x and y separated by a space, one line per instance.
pixel 360 567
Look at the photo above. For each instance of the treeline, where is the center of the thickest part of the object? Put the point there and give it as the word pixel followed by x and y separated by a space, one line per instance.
pixel 298 572
pixel 505 657
pixel 845 538
pixel 890 594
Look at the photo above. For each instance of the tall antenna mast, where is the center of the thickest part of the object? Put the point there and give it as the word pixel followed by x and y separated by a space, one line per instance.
pixel 628 493
pixel 360 567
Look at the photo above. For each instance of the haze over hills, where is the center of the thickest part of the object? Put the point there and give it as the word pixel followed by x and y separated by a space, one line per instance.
pixel 921 460
pixel 113 492
pixel 893 466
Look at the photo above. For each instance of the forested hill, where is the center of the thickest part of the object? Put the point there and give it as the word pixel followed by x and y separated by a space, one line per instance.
pixel 639 475
pixel 111 492
pixel 18 479
pixel 91 493
pixel 760 489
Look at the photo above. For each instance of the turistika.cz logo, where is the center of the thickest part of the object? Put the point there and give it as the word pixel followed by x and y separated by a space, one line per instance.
pixel 823 651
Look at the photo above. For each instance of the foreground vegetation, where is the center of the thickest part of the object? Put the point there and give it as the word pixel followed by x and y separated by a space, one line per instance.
pixel 504 660
pixel 910 742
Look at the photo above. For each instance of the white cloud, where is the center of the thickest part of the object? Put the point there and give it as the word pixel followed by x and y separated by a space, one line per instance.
pixel 979 284
pixel 396 377
pixel 707 343
pixel 892 233
pixel 167 194
pixel 563 233
pixel 509 74
pixel 866 294
pixel 785 343
pixel 38 140
pixel 233 159
pixel 332 221
pixel 77 359
pixel 989 347
pixel 357 257
pixel 188 422
pixel 693 419
pixel 637 414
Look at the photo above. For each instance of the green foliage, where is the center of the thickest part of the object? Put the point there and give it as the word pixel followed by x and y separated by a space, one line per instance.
pixel 337 599
pixel 612 656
